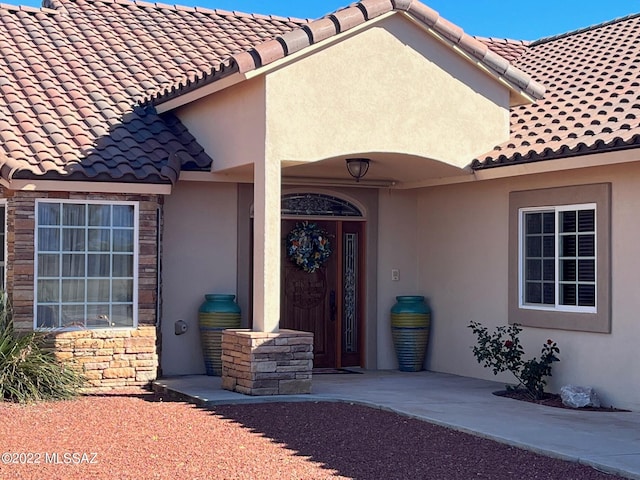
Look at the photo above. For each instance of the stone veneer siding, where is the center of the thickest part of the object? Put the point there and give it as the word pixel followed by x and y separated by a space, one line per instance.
pixel 120 357
pixel 110 359
pixel 259 363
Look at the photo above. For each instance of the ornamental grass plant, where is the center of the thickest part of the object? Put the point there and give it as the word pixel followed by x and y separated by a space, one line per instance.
pixel 28 371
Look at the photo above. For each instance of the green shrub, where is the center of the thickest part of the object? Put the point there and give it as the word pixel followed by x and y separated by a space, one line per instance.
pixel 28 371
pixel 501 351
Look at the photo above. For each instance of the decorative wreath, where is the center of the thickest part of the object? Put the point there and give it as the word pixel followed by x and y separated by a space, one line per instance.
pixel 308 246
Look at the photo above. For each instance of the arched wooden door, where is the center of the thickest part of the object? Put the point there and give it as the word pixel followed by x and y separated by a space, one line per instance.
pixel 328 301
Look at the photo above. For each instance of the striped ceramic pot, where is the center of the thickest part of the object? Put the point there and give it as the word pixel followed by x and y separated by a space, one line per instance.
pixel 217 313
pixel 410 321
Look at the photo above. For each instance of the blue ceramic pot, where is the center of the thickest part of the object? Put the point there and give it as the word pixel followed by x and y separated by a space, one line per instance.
pixel 217 313
pixel 410 321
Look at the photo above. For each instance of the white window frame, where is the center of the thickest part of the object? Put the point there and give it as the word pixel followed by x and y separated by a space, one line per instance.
pixel 556 209
pixel 136 248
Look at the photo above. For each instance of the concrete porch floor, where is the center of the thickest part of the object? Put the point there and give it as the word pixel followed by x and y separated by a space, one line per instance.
pixel 609 441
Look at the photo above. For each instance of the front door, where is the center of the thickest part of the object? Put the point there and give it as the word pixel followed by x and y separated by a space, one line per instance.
pixel 309 298
pixel 326 301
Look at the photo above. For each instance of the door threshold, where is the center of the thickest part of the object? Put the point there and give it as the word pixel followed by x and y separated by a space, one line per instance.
pixel 336 371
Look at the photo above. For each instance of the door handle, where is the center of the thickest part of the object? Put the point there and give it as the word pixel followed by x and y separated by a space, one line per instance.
pixel 333 309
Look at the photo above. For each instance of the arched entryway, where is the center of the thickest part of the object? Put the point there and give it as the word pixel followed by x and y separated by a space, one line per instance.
pixel 328 301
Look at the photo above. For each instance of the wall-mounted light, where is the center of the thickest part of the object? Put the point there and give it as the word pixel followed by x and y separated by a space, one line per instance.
pixel 357 167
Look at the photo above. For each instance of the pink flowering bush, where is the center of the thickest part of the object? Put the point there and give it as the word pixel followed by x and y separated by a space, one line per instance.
pixel 501 351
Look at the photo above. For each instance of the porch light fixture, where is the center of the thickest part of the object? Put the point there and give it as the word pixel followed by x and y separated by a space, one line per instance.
pixel 357 167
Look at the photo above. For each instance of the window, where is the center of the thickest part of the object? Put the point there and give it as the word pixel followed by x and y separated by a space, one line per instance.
pixel 558 258
pixel 86 264
pixel 559 243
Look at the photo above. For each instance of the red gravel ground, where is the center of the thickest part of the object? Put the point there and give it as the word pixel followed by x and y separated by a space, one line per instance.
pixel 139 435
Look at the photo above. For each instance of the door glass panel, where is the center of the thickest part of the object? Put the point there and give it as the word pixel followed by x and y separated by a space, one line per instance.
pixel 306 204
pixel 350 301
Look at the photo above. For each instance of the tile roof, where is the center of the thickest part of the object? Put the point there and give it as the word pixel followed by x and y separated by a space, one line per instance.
pixel 508 49
pixel 72 74
pixel 70 78
pixel 592 103
pixel 285 44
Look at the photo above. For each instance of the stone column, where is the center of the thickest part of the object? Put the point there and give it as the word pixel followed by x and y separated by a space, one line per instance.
pixel 260 363
pixel 267 360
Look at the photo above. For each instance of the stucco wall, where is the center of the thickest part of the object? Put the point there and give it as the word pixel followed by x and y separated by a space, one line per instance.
pixel 388 88
pixel 463 270
pixel 230 125
pixel 199 256
pixel 398 244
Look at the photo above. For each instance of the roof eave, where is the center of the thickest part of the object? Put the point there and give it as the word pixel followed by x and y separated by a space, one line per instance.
pixel 522 87
pixel 88 186
pixel 580 149
pixel 348 21
pixel 597 158
pixel 195 91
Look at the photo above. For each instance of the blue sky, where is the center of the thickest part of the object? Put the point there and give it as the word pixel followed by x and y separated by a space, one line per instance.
pixel 525 20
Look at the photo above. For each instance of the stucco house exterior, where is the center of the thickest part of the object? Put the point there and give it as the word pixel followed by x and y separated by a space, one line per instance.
pixel 151 154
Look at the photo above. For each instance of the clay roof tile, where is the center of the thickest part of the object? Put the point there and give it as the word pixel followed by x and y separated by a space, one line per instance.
pixel 598 92
pixel 72 75
pixel 274 48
